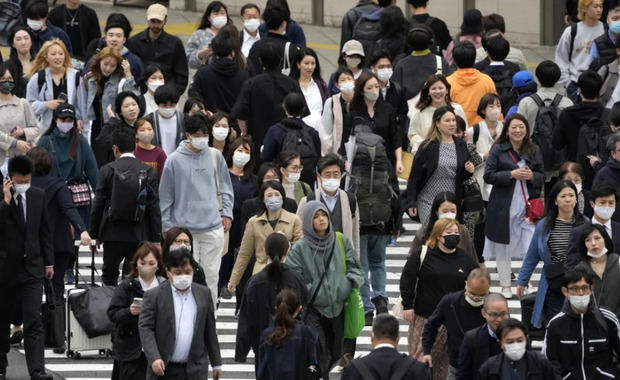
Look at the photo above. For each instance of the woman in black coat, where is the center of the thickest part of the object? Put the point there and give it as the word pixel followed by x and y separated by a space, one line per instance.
pixel 124 312
pixel 441 163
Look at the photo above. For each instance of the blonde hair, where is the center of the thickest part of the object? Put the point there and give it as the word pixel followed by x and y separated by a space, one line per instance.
pixel 40 61
pixel 95 67
pixel 433 133
pixel 440 226
pixel 581 8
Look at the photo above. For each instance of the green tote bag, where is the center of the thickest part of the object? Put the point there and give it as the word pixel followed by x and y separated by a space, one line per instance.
pixel 354 307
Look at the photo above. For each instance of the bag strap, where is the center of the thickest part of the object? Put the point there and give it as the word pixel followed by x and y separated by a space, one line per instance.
pixel 439 69
pixel 362 369
pixel 344 257
pixel 573 34
pixel 316 291
pixel 217 179
pixel 402 368
pixel 539 102
pixel 521 182
pixel 556 100
pixel 476 132
pixel 287 58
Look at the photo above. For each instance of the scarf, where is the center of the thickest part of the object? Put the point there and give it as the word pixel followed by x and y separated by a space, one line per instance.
pixel 314 241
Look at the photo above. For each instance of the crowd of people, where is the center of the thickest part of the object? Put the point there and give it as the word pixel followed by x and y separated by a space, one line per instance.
pixel 277 187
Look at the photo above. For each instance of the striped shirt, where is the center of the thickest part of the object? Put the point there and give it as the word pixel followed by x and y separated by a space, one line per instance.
pixel 558 240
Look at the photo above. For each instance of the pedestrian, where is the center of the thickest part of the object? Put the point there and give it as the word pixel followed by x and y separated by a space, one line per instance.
pixel 168 120
pixel 507 230
pixel 393 35
pixel 516 360
pixel 335 110
pixel 126 209
pixel 434 94
pixel 350 18
pixel 177 325
pixel 581 320
pixel 307 71
pixel 250 15
pixel 352 57
pixel 441 164
pixel 266 172
pixel 223 133
pixel 29 260
pixel 609 173
pixel 194 105
pixel 259 299
pixel 42 29
pixel 290 167
pixel 471 31
pixel 439 268
pixel 151 80
pixel 572 171
pixel 458 312
pixel 481 343
pixel 198 47
pixel 125 307
pixel 197 175
pixel 289 349
pixel 21 56
pixel 80 22
pixel 146 152
pixel 494 21
pixel 293 31
pixel 320 256
pixel 180 237
pixel 523 86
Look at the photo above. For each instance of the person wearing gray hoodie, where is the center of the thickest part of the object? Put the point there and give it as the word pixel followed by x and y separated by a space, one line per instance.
pixel 195 192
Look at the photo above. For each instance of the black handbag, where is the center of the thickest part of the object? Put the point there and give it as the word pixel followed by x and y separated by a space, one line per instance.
pixel 472 196
pixel 53 315
pixel 555 275
pixel 91 310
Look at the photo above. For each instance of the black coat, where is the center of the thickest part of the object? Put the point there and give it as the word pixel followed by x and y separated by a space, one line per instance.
pixel 573 258
pixel 570 121
pixel 61 212
pixel 610 173
pixel 101 228
pixel 424 165
pixel 497 173
pixel 538 368
pixel 478 345
pixel 167 51
pixel 382 363
pixel 89 26
pixel 30 249
pixel 103 145
pixel 279 41
pixel 258 306
pixel 218 84
pixel 126 344
pixel 396 97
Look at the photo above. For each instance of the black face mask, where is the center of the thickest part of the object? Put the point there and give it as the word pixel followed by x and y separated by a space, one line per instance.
pixel 7 87
pixel 451 241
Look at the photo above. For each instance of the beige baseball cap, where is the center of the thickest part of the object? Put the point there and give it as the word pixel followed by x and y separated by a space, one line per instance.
pixel 352 47
pixel 156 11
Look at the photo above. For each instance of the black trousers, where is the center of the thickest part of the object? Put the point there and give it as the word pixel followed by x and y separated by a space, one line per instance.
pixel 331 338
pixel 175 372
pixel 25 293
pixel 113 253
pixel 133 369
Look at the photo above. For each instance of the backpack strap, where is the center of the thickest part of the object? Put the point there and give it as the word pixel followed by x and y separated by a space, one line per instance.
pixel 217 178
pixel 573 34
pixel 362 369
pixel 556 100
pixel 539 102
pixel 41 78
pixel 429 21
pixel 344 257
pixel 402 368
pixel 439 69
pixel 286 65
pixel 476 132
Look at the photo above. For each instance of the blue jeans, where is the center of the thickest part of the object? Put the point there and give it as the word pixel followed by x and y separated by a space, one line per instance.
pixel 372 256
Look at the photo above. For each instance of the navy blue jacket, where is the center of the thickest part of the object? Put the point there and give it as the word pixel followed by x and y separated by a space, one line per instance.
pixel 45 35
pixel 458 317
pixel 610 173
pixel 294 33
pixel 573 257
pixel 497 173
pixel 478 346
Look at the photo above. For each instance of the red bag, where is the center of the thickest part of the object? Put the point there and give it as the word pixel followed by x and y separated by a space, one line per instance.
pixel 535 207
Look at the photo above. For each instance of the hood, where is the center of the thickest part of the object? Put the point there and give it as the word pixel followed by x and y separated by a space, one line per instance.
pixel 49 184
pixel 613 164
pixel 224 66
pixel 467 77
pixel 584 111
pixel 183 149
pixel 292 123
pixel 373 15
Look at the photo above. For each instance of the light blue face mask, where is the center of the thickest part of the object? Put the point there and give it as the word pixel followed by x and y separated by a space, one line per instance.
pixel 615 27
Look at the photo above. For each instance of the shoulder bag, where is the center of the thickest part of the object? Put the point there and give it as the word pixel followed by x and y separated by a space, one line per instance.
pixel 535 207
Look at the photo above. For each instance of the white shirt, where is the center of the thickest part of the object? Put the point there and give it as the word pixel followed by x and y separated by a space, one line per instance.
pixel 315 104
pixel 289 190
pixel 384 345
pixel 185 311
pixel 146 287
pixel 168 133
pixel 149 102
pixel 127 155
pixel 248 41
pixel 606 225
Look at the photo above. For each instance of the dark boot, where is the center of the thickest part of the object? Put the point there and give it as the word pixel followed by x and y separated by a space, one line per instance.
pixel 381 305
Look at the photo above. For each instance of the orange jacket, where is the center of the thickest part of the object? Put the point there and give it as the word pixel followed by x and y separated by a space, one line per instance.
pixel 467 87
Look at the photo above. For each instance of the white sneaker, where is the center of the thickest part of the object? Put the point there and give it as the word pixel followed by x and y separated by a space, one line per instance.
pixel 507 292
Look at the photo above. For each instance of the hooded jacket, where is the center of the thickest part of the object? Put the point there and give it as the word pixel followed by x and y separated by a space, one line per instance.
pixel 467 87
pixel 582 346
pixel 188 191
pixel 570 122
pixel 219 83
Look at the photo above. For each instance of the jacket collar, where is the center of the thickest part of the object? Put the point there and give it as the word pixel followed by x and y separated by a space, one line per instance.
pixel 495 364
pixel 285 217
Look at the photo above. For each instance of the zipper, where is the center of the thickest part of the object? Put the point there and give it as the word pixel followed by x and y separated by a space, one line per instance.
pixel 583 370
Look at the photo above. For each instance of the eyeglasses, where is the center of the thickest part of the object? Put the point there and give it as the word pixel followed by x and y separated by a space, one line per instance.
pixel 296 169
pixel 182 241
pixel 579 289
pixel 501 315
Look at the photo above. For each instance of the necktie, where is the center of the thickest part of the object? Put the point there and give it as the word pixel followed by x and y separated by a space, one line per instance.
pixel 20 211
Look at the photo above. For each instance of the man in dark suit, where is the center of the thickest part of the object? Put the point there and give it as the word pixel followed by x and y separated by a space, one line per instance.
pixel 603 201
pixel 26 257
pixel 114 218
pixel 177 325
pixel 384 361
pixel 481 343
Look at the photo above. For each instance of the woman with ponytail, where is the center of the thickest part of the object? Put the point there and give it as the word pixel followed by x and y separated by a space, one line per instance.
pixel 259 298
pixel 288 350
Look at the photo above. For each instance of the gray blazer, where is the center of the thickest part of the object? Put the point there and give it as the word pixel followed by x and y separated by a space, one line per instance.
pixel 158 331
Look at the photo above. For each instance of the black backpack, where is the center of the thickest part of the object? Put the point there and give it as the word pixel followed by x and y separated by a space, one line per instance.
pixel 41 77
pixel 547 120
pixel 435 48
pixel 503 84
pixel 300 140
pixel 367 30
pixel 131 193
pixel 370 178
pixel 10 17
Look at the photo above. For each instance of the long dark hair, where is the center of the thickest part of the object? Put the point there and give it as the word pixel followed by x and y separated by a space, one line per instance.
pixel 287 304
pixel 248 169
pixel 295 72
pixel 527 146
pixel 358 95
pixel 73 142
pixel 276 247
pixel 17 70
pixel 551 207
pixel 214 6
pixel 445 196
pixel 425 98
pixel 587 230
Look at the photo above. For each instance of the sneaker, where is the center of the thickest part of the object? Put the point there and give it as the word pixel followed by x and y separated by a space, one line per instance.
pixel 392 242
pixel 507 292
pixel 344 361
pixel 60 349
pixel 16 337
pixel 69 277
pixel 369 316
pixel 381 305
pixel 513 277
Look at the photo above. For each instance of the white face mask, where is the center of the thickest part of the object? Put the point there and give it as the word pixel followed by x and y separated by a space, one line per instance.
pixel 219 22
pixel 579 187
pixel 251 24
pixel 21 188
pixel 154 85
pixel 182 282
pixel 515 351
pixel 174 247
pixel 167 112
pixel 347 87
pixel 293 177
pixel 604 212
pixel 579 302
pixel 200 143
pixel 474 303
pixel 330 184
pixel 35 25
pixel 241 159
pixel 494 114
pixel 384 75
pixel 447 215
pixel 598 255
pixel 220 133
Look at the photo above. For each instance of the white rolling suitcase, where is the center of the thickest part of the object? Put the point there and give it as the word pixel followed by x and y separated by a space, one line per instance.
pixel 78 342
